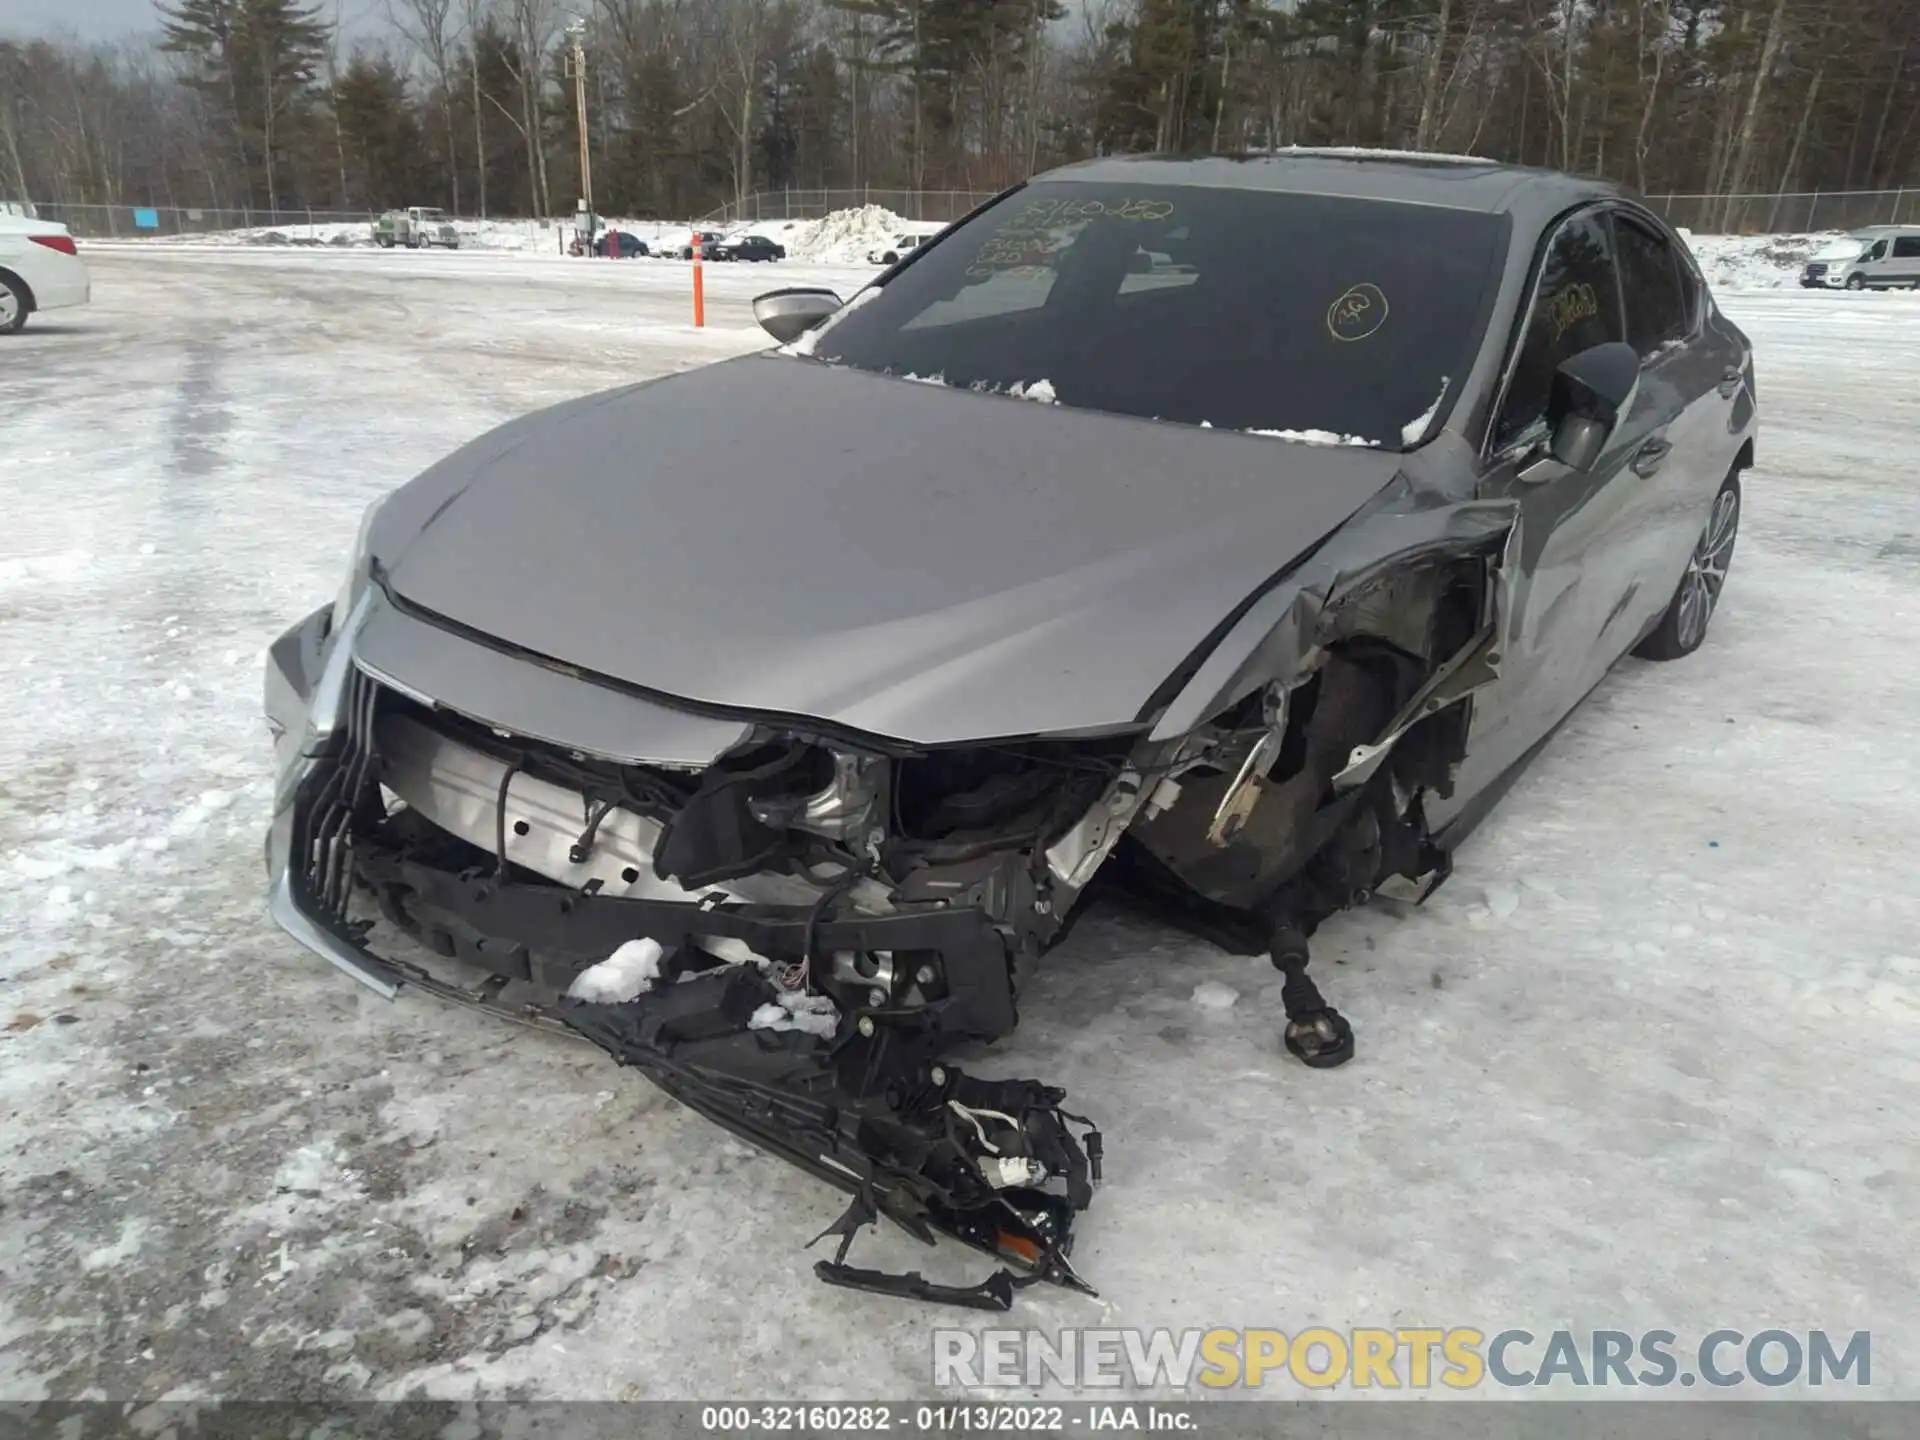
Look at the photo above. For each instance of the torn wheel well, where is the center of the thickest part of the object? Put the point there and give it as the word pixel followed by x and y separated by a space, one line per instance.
pixel 1310 794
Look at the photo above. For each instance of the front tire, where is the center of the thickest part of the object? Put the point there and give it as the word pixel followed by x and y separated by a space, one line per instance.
pixel 1684 627
pixel 1856 282
pixel 14 307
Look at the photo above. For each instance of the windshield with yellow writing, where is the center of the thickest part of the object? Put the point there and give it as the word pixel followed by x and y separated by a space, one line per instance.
pixel 1302 315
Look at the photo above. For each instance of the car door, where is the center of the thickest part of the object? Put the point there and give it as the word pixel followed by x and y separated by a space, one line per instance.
pixel 1581 553
pixel 1689 375
pixel 1906 259
pixel 1872 265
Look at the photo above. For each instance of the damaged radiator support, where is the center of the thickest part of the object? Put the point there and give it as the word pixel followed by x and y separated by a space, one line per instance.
pixel 872 1109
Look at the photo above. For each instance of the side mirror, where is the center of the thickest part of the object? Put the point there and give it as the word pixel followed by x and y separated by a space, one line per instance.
pixel 788 314
pixel 1591 391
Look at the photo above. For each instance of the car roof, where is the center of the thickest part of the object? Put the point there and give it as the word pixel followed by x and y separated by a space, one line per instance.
pixel 1456 182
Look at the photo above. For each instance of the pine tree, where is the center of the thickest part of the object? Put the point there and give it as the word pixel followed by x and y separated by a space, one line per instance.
pixel 382 131
pixel 257 59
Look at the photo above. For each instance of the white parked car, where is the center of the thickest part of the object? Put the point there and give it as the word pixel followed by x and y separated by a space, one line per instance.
pixel 891 254
pixel 39 269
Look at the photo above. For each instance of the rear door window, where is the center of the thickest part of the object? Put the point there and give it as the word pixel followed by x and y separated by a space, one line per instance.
pixel 1576 305
pixel 1907 247
pixel 1650 284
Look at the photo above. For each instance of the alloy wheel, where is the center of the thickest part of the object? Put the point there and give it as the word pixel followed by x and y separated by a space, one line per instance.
pixel 1707 569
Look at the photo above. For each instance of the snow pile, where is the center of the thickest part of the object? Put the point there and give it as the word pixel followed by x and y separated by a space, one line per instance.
pixel 624 975
pixel 845 236
pixel 537 236
pixel 1212 995
pixel 796 1010
pixel 333 233
pixel 1041 390
pixel 1757 262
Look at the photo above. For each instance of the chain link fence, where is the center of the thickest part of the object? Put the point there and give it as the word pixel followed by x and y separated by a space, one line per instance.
pixel 106 222
pixel 1790 213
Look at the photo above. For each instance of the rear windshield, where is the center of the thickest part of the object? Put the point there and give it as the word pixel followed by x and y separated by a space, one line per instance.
pixel 1318 317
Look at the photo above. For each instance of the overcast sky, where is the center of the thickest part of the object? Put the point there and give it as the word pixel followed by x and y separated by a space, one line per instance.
pixel 111 19
pixel 89 19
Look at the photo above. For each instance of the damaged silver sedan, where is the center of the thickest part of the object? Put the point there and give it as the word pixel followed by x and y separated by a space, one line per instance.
pixel 1225 531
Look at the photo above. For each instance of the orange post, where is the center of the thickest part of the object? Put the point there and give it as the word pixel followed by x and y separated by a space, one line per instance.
pixel 699 290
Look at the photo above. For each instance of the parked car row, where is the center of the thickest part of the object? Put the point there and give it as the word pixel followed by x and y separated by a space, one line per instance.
pixel 716 246
pixel 713 246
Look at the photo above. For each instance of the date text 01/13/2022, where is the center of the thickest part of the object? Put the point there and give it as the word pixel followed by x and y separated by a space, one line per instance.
pixel 937 1419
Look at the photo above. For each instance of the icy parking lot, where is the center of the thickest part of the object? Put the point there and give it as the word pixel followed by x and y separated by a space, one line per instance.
pixel 1650 1060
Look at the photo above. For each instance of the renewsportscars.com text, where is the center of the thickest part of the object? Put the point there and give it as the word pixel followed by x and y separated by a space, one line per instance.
pixel 1401 1358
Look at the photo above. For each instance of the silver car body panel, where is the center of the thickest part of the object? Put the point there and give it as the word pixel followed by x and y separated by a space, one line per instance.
pixel 902 560
pixel 457 672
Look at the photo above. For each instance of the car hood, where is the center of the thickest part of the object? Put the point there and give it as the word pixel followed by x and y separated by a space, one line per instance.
pixel 933 565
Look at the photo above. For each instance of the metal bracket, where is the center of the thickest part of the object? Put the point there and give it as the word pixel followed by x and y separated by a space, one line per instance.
pixel 1475 667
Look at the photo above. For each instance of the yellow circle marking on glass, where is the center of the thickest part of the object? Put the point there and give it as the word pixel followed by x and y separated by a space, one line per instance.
pixel 1358 312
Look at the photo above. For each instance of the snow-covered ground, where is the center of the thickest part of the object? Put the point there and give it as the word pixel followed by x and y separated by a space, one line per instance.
pixel 1651 1059
pixel 846 237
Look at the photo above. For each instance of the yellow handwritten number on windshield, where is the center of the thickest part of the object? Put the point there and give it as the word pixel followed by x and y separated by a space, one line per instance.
pixel 1357 313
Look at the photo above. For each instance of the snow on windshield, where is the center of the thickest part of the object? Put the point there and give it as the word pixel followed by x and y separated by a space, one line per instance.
pixel 1845 249
pixel 1316 437
pixel 1414 430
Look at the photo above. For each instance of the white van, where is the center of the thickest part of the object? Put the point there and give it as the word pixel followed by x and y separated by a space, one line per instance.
pixel 1881 257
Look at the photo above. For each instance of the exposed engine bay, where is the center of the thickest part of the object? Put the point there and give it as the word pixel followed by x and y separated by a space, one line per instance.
pixel 793 938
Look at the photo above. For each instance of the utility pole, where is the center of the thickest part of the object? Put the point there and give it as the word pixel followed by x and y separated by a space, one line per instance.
pixel 577 34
